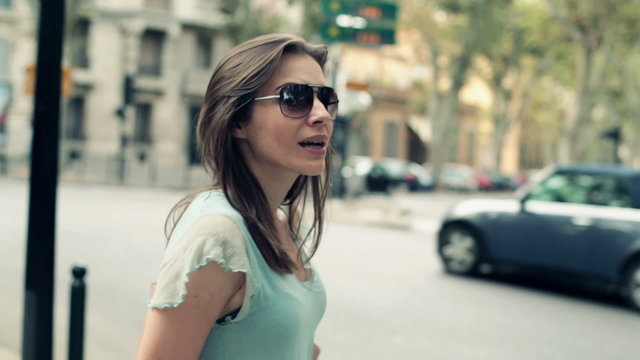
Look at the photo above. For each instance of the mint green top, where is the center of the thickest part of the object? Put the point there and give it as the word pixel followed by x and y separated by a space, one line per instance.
pixel 280 313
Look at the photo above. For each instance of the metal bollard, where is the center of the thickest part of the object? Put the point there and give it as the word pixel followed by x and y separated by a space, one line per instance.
pixel 76 314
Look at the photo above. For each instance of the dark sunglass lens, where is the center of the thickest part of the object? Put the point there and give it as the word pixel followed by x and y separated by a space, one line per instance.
pixel 296 100
pixel 329 98
pixel 327 95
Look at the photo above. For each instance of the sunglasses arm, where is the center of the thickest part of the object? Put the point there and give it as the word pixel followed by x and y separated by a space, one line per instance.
pixel 267 97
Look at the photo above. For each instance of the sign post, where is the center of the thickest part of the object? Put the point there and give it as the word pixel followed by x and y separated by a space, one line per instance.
pixel 37 333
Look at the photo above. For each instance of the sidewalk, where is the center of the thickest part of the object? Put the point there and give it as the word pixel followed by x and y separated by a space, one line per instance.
pixel 379 211
pixel 8 354
pixel 371 210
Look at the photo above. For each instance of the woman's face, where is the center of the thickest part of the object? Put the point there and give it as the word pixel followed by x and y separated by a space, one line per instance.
pixel 274 145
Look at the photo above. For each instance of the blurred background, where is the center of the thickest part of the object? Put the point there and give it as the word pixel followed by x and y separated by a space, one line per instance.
pixel 439 101
pixel 503 86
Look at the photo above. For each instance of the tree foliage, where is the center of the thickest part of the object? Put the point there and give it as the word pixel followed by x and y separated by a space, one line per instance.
pixel 568 65
pixel 245 21
pixel 454 33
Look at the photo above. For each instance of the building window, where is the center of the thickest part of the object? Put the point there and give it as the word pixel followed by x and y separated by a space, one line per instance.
pixel 80 44
pixel 158 4
pixel 204 49
pixel 5 4
pixel 391 139
pixel 194 156
pixel 4 59
pixel 75 129
pixel 151 53
pixel 142 126
pixel 5 89
pixel 5 97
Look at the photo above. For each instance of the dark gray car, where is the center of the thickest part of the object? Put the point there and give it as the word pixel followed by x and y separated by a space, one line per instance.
pixel 582 221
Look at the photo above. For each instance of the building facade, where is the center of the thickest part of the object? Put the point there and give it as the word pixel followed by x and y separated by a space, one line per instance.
pixel 376 85
pixel 16 51
pixel 137 72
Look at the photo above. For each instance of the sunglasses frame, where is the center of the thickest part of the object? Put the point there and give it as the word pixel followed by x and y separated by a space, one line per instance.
pixel 315 89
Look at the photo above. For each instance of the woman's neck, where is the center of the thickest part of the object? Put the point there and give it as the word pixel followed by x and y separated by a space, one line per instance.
pixel 275 189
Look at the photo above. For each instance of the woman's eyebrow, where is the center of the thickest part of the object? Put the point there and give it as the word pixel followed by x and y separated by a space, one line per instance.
pixel 283 85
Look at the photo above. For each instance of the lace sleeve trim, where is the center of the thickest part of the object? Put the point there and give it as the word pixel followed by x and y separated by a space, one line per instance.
pixel 211 238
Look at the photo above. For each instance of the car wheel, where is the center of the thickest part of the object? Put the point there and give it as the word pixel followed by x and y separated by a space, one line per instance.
pixel 631 285
pixel 459 250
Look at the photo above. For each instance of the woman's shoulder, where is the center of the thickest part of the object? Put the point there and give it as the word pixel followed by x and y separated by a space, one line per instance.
pixel 219 226
pixel 211 238
pixel 212 201
pixel 207 215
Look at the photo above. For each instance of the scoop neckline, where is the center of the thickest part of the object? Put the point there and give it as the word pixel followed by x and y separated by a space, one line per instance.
pixel 309 281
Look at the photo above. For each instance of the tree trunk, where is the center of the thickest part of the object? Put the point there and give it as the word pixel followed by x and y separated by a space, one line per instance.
pixel 444 125
pixel 570 136
pixel 501 121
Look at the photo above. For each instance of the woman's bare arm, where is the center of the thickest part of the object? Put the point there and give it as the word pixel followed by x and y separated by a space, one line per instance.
pixel 180 333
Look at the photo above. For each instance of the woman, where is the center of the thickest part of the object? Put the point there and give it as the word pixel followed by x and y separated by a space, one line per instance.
pixel 235 281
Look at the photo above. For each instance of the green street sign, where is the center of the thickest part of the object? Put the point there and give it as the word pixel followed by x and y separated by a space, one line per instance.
pixel 373 10
pixel 370 22
pixel 331 32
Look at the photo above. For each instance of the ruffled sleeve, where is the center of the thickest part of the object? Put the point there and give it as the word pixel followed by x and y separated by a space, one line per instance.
pixel 210 238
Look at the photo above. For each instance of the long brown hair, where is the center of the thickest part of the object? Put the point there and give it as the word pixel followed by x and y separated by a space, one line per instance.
pixel 227 103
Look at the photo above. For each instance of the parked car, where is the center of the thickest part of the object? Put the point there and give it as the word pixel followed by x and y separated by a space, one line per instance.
pixel 582 221
pixel 483 180
pixel 458 177
pixel 418 177
pixel 501 182
pixel 354 174
pixel 388 174
pixel 362 174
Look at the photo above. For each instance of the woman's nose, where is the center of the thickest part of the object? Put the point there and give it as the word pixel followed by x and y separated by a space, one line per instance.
pixel 319 112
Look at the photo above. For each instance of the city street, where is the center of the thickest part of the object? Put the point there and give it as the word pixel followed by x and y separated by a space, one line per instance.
pixel 387 295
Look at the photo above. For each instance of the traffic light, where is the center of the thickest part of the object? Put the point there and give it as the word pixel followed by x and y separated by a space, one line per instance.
pixel 613 133
pixel 66 82
pixel 128 90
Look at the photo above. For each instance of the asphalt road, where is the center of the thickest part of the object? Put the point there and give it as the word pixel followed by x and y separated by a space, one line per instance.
pixel 387 295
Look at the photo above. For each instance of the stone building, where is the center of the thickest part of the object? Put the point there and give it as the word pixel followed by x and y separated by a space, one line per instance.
pixel 16 52
pixel 167 49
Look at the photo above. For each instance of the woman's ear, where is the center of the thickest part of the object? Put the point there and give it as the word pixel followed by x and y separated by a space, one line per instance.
pixel 239 132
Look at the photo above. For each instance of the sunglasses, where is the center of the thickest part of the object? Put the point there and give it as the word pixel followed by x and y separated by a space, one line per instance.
pixel 296 100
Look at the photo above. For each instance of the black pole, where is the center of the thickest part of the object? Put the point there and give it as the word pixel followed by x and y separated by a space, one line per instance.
pixel 121 112
pixel 37 335
pixel 615 135
pixel 616 153
pixel 76 314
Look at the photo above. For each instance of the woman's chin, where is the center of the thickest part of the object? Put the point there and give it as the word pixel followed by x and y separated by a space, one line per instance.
pixel 313 171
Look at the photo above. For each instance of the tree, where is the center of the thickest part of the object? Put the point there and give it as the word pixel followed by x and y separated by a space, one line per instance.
pixel 593 27
pixel 504 56
pixel 522 52
pixel 454 32
pixel 311 18
pixel 245 21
